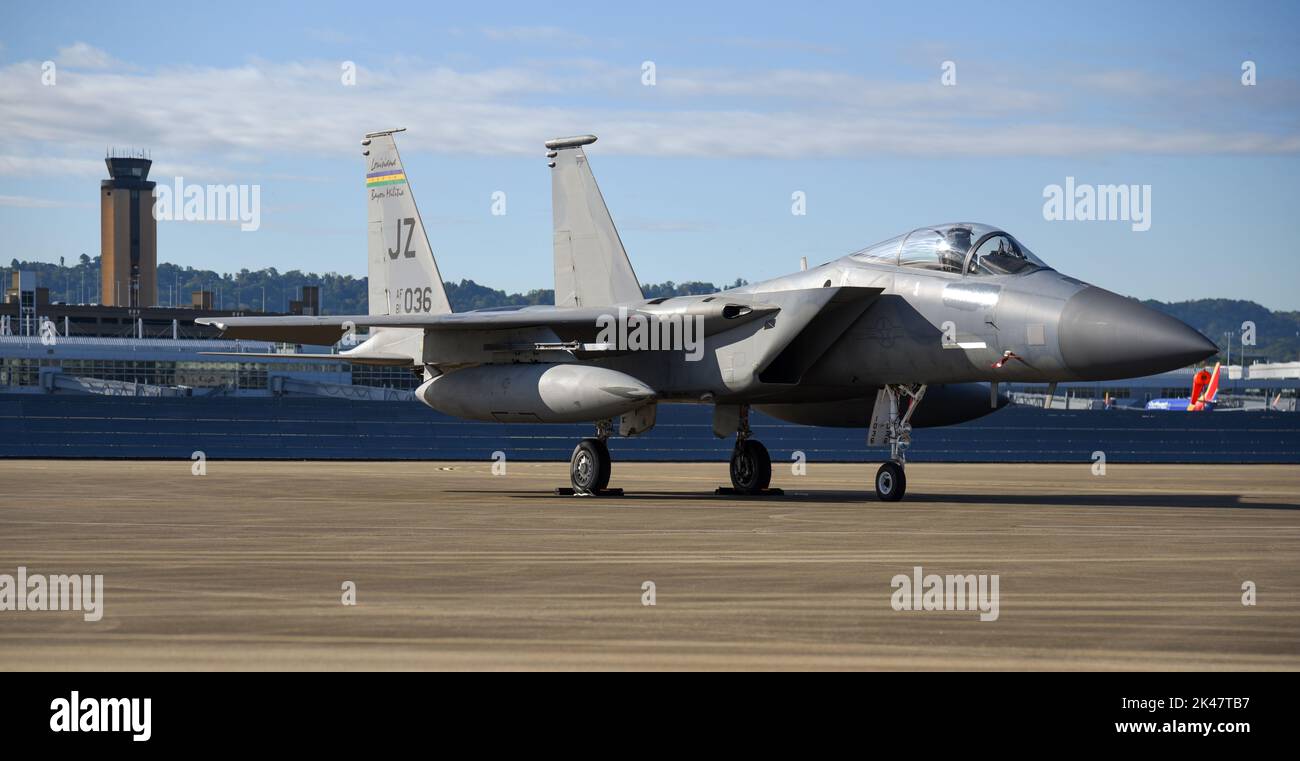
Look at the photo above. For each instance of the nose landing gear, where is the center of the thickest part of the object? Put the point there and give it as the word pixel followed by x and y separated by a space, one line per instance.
pixel 891 482
pixel 889 426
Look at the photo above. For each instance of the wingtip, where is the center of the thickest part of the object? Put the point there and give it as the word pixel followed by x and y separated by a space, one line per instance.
pixel 382 132
pixel 576 141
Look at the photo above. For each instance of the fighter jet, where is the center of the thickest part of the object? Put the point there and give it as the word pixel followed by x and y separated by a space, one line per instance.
pixel 917 330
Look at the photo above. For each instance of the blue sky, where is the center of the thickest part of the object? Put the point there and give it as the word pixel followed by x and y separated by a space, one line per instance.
pixel 843 102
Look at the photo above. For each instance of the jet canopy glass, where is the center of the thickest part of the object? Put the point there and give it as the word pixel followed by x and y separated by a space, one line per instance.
pixel 959 247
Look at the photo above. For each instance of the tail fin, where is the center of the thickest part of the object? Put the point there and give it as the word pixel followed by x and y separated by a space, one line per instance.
pixel 1203 394
pixel 591 266
pixel 1213 389
pixel 404 277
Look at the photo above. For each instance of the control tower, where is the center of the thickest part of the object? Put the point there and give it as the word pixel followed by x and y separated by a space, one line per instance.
pixel 128 233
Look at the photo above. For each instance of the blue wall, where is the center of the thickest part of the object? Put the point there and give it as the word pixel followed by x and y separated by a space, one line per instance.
pixel 312 428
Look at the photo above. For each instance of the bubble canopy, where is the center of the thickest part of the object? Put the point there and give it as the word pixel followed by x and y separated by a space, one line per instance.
pixel 959 248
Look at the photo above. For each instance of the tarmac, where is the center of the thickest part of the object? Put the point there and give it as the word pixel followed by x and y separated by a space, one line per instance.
pixel 453 567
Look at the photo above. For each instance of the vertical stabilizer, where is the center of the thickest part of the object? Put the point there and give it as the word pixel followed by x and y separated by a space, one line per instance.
pixel 404 277
pixel 1205 387
pixel 591 266
pixel 1212 390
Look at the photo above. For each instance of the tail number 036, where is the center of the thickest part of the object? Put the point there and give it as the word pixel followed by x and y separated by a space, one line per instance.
pixel 413 299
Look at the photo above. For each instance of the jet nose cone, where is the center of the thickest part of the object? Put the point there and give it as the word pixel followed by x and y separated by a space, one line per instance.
pixel 1106 336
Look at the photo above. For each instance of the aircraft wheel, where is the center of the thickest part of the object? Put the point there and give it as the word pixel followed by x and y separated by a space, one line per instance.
pixel 751 467
pixel 590 466
pixel 891 482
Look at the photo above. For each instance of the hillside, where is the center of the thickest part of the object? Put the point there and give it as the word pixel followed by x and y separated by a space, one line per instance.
pixel 1277 334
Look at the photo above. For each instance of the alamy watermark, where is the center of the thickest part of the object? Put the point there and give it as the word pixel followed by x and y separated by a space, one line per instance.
pixel 77 714
pixel 1101 203
pixel 190 202
pixel 49 333
pixel 922 591
pixel 673 331
pixel 38 592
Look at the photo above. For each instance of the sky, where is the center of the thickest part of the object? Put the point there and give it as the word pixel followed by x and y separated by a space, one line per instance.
pixel 713 120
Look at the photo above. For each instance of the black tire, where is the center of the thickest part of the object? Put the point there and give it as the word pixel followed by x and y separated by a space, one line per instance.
pixel 589 467
pixel 751 467
pixel 891 482
pixel 606 464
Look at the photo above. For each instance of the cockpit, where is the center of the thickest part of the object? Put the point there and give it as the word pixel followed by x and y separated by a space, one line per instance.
pixel 959 248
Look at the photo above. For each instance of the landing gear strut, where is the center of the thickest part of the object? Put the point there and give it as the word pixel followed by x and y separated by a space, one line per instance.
pixel 590 465
pixel 891 478
pixel 751 465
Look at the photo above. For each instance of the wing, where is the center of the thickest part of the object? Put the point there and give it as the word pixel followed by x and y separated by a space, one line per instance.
pixel 811 320
pixel 327 330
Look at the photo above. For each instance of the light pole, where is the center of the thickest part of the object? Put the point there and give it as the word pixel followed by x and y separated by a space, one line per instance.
pixel 1229 334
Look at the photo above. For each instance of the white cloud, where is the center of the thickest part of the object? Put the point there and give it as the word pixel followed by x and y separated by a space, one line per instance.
pixel 28 202
pixel 37 166
pixel 79 55
pixel 211 123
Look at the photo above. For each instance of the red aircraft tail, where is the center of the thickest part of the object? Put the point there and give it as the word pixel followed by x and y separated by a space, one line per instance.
pixel 1204 389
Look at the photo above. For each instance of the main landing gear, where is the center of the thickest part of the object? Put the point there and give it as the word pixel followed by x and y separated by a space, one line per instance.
pixel 590 466
pixel 896 429
pixel 751 465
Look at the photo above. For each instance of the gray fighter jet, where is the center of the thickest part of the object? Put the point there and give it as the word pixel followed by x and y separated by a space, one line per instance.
pixel 917 330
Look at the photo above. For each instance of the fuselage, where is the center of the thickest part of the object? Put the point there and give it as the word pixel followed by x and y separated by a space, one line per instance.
pixel 929 327
pixel 970 306
pixel 1178 405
